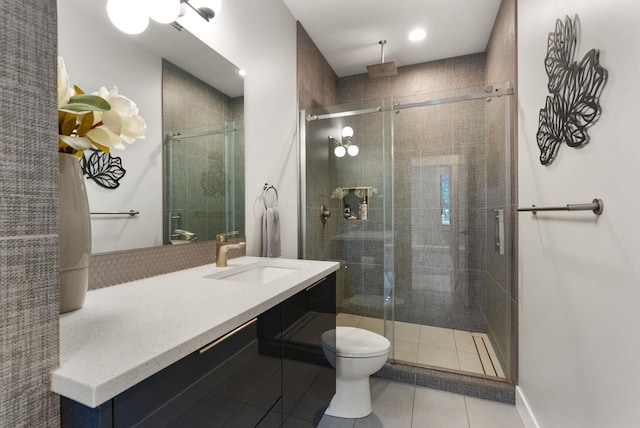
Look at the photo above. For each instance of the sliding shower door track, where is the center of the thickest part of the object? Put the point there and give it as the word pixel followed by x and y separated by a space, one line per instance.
pixel 489 92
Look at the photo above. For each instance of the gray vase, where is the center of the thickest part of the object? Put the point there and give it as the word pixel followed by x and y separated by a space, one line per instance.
pixel 74 234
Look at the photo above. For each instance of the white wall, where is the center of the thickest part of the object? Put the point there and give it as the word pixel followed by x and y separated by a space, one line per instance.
pixel 98 55
pixel 580 275
pixel 260 37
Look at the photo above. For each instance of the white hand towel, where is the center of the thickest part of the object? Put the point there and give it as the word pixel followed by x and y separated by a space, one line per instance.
pixel 271 233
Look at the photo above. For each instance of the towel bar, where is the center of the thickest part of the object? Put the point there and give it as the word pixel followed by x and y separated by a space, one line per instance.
pixel 129 213
pixel 597 206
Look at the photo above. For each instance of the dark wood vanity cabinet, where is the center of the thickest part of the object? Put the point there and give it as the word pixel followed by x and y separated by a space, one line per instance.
pixel 270 372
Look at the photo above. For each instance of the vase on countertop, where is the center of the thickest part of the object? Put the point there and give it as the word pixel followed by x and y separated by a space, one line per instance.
pixel 74 234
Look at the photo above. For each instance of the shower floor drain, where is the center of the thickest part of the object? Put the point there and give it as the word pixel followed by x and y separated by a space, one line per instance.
pixel 482 347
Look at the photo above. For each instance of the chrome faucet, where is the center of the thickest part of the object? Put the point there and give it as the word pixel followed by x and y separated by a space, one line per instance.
pixel 222 246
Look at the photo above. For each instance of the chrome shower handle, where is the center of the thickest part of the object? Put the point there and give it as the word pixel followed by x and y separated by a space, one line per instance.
pixel 324 213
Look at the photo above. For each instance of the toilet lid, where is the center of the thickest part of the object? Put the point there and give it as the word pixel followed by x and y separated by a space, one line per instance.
pixel 355 342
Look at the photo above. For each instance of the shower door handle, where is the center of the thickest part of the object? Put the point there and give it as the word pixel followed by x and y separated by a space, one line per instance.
pixel 499 231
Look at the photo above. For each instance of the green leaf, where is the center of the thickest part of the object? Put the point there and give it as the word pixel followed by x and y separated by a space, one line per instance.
pixel 85 103
pixel 67 122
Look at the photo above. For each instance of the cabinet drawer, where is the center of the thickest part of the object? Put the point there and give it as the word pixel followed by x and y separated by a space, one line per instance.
pixel 169 394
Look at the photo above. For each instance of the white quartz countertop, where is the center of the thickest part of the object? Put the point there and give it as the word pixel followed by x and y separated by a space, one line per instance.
pixel 128 332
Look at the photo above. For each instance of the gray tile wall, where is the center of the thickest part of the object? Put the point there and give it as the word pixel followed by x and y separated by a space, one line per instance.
pixel 317 87
pixel 317 82
pixel 29 295
pixel 198 173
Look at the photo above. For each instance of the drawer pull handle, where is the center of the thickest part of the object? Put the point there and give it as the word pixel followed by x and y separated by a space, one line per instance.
pixel 315 284
pixel 226 336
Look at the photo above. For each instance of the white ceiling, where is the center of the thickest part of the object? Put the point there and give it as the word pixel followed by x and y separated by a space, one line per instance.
pixel 347 31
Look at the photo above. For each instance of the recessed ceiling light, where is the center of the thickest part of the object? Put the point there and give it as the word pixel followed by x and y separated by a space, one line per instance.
pixel 242 73
pixel 417 35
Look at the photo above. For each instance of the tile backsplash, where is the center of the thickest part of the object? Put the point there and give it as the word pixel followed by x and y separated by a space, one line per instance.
pixel 123 266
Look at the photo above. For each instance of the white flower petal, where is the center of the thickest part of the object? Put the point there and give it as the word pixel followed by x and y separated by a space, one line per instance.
pixel 133 128
pixel 113 121
pixel 65 89
pixel 78 143
pixel 123 105
pixel 104 136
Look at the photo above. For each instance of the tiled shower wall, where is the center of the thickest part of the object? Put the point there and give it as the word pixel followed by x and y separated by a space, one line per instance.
pixel 198 175
pixel 29 297
pixel 317 87
pixel 439 276
pixel 317 82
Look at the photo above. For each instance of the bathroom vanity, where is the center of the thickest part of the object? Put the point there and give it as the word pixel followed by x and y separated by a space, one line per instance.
pixel 237 346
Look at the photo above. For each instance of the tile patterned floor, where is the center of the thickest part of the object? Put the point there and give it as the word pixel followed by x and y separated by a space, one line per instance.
pixel 434 346
pixel 398 405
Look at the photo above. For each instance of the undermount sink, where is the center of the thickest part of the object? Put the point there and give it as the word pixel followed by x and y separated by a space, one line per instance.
pixel 259 272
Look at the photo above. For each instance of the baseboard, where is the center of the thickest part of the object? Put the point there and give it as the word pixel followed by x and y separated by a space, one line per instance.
pixel 524 410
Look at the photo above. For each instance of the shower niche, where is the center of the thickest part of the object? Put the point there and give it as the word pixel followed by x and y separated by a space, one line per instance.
pixel 355 201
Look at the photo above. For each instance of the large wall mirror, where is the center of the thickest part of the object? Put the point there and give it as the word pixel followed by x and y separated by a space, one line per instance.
pixel 186 178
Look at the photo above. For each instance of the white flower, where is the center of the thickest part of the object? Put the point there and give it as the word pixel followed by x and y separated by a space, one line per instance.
pixel 103 120
pixel 65 89
pixel 122 122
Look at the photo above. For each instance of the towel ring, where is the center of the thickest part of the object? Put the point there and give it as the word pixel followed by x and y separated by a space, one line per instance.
pixel 265 190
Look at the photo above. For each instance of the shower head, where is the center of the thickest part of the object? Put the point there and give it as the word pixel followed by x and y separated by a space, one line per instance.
pixel 384 68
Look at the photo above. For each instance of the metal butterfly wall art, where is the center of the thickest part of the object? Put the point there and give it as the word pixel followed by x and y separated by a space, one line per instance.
pixel 575 87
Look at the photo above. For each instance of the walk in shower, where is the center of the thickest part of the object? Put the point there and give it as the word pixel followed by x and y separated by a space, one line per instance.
pixel 420 220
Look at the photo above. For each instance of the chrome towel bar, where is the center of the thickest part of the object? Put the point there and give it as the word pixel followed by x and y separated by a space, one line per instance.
pixel 129 213
pixel 597 206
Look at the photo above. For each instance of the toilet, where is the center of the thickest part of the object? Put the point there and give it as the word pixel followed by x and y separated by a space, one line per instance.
pixel 356 354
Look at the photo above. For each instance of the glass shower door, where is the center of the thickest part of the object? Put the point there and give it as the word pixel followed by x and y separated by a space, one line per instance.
pixel 356 191
pixel 451 257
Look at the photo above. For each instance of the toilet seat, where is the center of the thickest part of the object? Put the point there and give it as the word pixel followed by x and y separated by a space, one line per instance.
pixel 355 342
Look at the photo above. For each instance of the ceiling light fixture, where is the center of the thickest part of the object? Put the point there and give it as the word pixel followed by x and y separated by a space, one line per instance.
pixel 132 16
pixel 417 35
pixel 165 11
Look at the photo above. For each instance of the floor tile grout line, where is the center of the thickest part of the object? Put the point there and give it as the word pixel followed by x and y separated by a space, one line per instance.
pixel 413 406
pixel 466 409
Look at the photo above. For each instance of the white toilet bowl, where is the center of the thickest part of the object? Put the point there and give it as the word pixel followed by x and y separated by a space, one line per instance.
pixel 356 355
